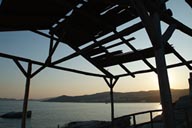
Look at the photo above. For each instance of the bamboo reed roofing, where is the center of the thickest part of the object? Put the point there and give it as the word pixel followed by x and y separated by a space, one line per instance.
pixel 79 22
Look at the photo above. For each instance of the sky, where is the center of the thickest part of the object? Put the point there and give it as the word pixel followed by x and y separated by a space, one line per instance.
pixel 52 82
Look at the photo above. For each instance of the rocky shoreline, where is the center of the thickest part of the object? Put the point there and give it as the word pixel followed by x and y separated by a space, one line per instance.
pixel 183 117
pixel 183 114
pixel 120 122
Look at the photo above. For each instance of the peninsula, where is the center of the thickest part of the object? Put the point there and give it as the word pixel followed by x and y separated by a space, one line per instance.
pixel 119 97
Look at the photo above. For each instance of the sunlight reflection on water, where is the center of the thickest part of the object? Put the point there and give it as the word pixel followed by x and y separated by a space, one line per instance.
pixel 138 107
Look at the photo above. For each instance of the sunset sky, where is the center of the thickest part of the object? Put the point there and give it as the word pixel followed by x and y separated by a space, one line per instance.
pixel 51 82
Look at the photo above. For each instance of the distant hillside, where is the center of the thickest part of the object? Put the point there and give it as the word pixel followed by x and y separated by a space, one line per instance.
pixel 5 99
pixel 141 96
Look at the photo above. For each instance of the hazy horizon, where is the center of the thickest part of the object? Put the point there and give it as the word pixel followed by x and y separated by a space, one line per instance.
pixel 83 94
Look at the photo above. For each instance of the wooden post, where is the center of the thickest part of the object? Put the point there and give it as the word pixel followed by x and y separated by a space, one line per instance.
pixel 152 25
pixel 164 87
pixel 112 104
pixel 190 84
pixel 151 118
pixel 26 96
pixel 111 84
pixel 134 121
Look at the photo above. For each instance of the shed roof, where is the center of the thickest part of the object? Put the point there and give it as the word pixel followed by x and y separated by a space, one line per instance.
pixel 31 14
pixel 79 22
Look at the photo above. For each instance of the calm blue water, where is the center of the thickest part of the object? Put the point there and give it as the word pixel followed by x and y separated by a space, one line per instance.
pixel 50 115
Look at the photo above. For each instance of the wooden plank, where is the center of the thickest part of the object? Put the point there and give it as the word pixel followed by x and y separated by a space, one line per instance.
pixel 93 62
pixel 107 55
pixel 135 50
pixel 93 23
pixel 95 51
pixel 120 43
pixel 125 32
pixel 129 57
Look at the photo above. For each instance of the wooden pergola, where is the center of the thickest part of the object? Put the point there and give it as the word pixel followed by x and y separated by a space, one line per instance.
pixel 79 22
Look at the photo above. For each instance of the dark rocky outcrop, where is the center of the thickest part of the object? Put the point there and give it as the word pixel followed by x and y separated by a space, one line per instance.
pixel 183 114
pixel 88 124
pixel 121 122
pixel 16 115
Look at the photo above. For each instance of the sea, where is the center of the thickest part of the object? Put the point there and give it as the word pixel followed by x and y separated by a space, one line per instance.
pixel 57 114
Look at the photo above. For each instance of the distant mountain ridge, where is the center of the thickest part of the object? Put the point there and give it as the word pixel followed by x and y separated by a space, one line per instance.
pixel 5 99
pixel 104 97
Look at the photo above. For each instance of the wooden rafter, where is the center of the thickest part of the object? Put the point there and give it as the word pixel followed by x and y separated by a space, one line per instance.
pixel 51 66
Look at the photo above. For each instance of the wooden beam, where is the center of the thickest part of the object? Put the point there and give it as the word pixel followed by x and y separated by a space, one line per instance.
pixel 152 26
pixel 82 72
pixel 149 70
pixel 180 26
pixel 180 57
pixel 52 49
pixel 168 33
pixel 95 51
pixel 37 71
pixel 127 70
pixel 147 22
pixel 96 20
pixel 106 55
pixel 120 64
pixel 109 55
pixel 20 67
pixel 120 43
pixel 189 2
pixel 136 51
pixel 129 57
pixel 45 35
pixel 107 73
pixel 50 66
pixel 124 32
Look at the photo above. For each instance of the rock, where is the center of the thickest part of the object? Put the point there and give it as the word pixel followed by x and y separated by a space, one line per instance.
pixel 158 118
pixel 184 102
pixel 16 115
pixel 183 113
pixel 155 125
pixel 88 124
pixel 120 122
pixel 183 117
